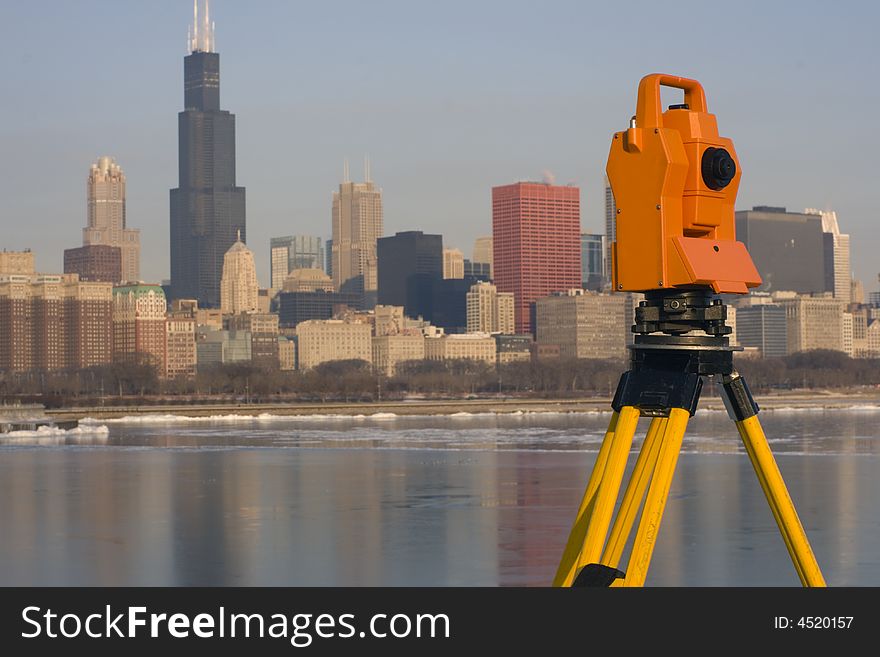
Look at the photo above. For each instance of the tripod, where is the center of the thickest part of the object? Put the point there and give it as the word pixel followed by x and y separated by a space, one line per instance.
pixel 664 383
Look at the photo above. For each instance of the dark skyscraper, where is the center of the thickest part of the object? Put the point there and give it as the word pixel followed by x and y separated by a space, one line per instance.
pixel 409 264
pixel 207 208
pixel 788 248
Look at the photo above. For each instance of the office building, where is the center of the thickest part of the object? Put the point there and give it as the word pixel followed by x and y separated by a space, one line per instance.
pixel 294 252
pixel 308 280
pixel 483 254
pixel 857 292
pixel 763 327
pixel 321 341
pixel 513 348
pixel 584 324
pixel 207 207
pixel 453 263
pixel 106 230
pixel 286 353
pixel 219 347
pixel 239 288
pixel 52 322
pixel 297 307
pixel 263 329
pixel 610 227
pixel 389 351
pixel 873 338
pixel 17 262
pixel 409 264
pixel 357 224
pixel 479 271
pixel 328 258
pixel 787 248
pixel 139 325
pixel 838 272
pixel 465 346
pixel 489 311
pixel 536 240
pixel 180 346
pixel 448 303
pixel 592 261
pixel 813 323
pixel 98 263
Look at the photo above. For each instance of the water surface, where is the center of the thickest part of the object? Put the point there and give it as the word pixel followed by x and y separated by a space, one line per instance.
pixel 478 500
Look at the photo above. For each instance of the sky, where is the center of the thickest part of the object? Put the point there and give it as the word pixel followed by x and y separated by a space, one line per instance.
pixel 447 98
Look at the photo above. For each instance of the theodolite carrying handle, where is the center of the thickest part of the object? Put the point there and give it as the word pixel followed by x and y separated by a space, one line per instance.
pixel 649 109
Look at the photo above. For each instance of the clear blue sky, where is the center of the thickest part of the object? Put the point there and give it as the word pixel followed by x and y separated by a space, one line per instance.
pixel 448 98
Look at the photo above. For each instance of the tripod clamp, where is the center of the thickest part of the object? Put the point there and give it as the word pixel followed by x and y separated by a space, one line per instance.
pixel 667 370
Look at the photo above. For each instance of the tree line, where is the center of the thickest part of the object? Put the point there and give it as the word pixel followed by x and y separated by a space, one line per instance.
pixel 356 380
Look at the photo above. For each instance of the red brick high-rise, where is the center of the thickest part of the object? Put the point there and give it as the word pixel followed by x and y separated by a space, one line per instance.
pixel 536 239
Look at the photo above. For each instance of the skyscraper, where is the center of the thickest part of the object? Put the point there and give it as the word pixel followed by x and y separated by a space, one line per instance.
pixel 536 238
pixel 239 287
pixel 838 275
pixel 788 248
pixel 207 208
pixel 610 226
pixel 483 252
pixel 488 311
pixel 357 224
pixel 294 252
pixel 409 263
pixel 106 231
pixel 592 260
pixel 453 263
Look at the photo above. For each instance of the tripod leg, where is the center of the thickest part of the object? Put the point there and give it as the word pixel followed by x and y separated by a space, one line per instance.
pixel 744 412
pixel 780 502
pixel 609 487
pixel 565 573
pixel 658 491
pixel 635 492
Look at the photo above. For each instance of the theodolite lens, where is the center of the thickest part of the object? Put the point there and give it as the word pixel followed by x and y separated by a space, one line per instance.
pixel 718 168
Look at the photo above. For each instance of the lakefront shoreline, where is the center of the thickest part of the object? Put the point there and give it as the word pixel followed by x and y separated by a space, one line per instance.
pixel 791 401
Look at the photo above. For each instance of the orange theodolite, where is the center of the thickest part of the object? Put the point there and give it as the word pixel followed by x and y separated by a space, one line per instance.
pixel 675 181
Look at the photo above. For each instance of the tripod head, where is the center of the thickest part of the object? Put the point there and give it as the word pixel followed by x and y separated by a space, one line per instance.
pixel 675 181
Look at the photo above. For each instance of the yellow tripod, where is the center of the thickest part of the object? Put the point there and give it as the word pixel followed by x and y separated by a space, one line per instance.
pixel 664 383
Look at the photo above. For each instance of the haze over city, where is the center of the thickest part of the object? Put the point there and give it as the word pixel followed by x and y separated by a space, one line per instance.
pixel 447 100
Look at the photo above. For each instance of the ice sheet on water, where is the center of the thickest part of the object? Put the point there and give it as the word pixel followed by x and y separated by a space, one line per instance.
pixel 44 432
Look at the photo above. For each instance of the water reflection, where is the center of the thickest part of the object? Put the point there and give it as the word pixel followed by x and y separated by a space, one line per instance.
pixel 479 500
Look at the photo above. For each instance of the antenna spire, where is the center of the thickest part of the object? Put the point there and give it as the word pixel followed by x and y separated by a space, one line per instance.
pixel 367 169
pixel 345 175
pixel 201 35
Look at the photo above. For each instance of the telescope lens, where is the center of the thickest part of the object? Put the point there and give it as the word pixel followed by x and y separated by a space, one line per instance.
pixel 718 168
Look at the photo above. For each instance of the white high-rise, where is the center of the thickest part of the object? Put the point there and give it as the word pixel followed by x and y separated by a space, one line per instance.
pixel 489 311
pixel 239 289
pixel 357 224
pixel 483 252
pixel 838 243
pixel 106 216
pixel 453 263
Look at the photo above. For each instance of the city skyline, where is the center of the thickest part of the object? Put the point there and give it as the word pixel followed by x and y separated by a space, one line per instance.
pixel 792 144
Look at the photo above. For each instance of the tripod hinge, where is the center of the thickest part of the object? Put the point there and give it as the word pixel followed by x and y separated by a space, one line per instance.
pixel 738 398
pixel 656 392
